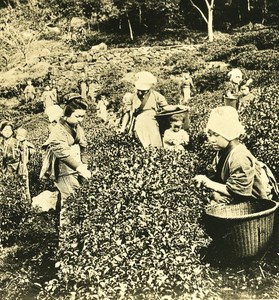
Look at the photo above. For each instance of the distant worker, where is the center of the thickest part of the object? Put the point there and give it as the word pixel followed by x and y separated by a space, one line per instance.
pixel 29 92
pixel 186 86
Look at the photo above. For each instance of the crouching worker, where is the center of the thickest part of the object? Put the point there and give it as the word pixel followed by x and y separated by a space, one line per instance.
pixel 236 175
pixel 66 160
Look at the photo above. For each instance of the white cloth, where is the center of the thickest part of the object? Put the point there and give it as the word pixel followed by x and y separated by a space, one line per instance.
pixel 54 113
pixel 224 121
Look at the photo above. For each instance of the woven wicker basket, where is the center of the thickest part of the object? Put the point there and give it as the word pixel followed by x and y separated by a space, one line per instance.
pixel 244 229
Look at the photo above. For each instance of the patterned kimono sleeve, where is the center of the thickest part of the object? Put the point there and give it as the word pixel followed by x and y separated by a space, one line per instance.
pixel 241 174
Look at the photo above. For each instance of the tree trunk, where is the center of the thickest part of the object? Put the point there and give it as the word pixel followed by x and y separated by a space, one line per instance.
pixel 264 11
pixel 140 15
pixel 210 25
pixel 130 29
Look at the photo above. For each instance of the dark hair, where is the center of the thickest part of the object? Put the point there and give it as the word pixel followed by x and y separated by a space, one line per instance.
pixel 244 84
pixel 98 97
pixel 6 123
pixel 73 105
pixel 177 117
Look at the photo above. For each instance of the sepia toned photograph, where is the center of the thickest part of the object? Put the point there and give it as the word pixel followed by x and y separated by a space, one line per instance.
pixel 139 149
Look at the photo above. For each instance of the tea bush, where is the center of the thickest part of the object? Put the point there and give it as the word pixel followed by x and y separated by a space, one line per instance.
pixel 130 227
pixel 257 60
pixel 219 50
pixel 210 81
pixel 263 39
pixel 13 208
pixel 185 61
pixel 260 119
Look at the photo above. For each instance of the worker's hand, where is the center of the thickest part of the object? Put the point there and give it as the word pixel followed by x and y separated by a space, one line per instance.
pixel 219 198
pixel 201 180
pixel 182 107
pixel 83 171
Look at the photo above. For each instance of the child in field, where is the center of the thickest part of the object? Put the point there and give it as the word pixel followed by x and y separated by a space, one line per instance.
pixel 235 77
pixel 93 88
pixel 83 89
pixel 26 149
pixel 245 95
pixel 185 88
pixel 8 148
pixel 126 110
pixel 235 174
pixel 54 91
pixel 176 138
pixel 16 150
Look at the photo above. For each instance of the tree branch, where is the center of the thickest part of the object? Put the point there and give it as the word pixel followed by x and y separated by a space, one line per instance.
pixel 202 14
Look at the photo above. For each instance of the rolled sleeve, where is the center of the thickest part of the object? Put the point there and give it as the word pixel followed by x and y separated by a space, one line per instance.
pixel 161 100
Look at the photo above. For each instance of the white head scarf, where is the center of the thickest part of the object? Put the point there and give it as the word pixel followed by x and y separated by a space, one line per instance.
pixel 54 113
pixel 145 80
pixel 224 121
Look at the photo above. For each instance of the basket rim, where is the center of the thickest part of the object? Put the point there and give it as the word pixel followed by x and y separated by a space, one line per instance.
pixel 248 216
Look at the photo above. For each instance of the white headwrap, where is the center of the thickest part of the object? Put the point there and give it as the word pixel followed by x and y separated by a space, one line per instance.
pixel 224 121
pixel 144 80
pixel 54 113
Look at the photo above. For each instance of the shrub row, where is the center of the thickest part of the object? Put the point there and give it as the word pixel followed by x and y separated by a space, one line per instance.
pixel 133 230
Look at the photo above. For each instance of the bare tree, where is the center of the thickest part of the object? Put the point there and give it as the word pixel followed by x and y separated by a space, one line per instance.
pixel 18 39
pixel 209 18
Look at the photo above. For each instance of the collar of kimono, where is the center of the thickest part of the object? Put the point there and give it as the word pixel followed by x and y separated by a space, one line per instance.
pixel 143 102
pixel 72 130
pixel 222 156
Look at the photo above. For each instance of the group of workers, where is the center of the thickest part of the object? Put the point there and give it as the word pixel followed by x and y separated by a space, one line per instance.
pixel 235 174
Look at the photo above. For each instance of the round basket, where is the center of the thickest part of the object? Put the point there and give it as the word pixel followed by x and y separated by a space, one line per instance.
pixel 243 229
pixel 230 101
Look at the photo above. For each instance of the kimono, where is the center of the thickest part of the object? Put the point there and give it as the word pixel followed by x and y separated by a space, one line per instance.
pixel 244 101
pixel 185 89
pixel 65 151
pixel 48 99
pixel 16 156
pixel 239 170
pixel 146 126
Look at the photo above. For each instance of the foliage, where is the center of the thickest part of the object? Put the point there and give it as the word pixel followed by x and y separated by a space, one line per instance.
pixel 219 50
pixel 134 229
pixel 129 227
pixel 212 80
pixel 13 208
pixel 266 38
pixel 262 129
pixel 257 60
pixel 184 61
pixel 18 38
